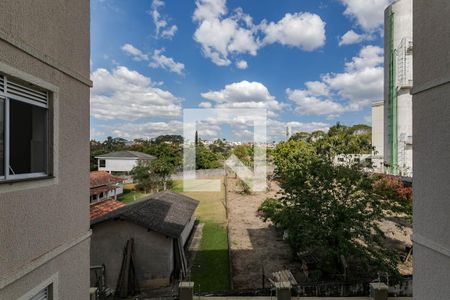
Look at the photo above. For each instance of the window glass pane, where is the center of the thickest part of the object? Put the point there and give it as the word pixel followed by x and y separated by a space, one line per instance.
pixel 28 130
pixel 2 136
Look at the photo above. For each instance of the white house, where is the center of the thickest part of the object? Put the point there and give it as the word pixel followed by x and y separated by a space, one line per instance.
pixel 121 161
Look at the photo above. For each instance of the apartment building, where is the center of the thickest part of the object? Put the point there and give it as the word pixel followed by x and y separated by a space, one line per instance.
pixel 431 124
pixel 44 149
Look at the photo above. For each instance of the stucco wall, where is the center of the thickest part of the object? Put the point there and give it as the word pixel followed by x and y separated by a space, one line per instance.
pixel 47 43
pixel 69 271
pixel 153 252
pixel 431 108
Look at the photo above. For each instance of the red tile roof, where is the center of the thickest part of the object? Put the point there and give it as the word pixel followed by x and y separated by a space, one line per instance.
pixel 101 208
pixel 99 178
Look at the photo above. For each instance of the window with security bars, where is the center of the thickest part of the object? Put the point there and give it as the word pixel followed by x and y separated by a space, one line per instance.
pixel 24 122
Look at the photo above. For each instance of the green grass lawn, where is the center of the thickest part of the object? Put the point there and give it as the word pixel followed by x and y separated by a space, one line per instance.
pixel 210 270
pixel 130 196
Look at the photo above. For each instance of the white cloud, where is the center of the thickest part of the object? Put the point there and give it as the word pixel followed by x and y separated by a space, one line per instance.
pixel 369 14
pixel 357 86
pixel 167 63
pixel 209 9
pixel 222 35
pixel 128 95
pixel 351 37
pixel 310 105
pixel 134 52
pixel 363 79
pixel 162 28
pixel 205 104
pixel 157 60
pixel 302 30
pixel 277 129
pixel 308 127
pixel 241 64
pixel 146 130
pixel 317 88
pixel 244 94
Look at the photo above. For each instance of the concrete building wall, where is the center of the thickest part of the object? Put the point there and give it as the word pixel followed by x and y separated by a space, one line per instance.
pixel 431 107
pixel 44 224
pixel 118 165
pixel 398 81
pixel 378 135
pixel 154 252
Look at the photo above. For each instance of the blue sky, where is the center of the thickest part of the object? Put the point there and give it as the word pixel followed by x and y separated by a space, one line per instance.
pixel 310 63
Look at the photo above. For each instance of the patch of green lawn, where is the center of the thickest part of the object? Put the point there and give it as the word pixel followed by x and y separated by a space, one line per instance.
pixel 130 196
pixel 210 270
pixel 211 267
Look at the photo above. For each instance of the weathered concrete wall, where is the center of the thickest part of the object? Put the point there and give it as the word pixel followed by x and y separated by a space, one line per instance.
pixel 44 224
pixel 153 252
pixel 431 108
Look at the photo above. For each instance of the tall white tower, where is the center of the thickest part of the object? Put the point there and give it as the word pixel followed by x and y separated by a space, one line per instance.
pixel 398 82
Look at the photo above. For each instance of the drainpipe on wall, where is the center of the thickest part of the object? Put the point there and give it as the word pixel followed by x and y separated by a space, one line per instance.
pixel 393 99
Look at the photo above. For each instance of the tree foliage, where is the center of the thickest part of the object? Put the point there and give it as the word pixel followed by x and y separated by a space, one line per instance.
pixel 330 210
pixel 153 175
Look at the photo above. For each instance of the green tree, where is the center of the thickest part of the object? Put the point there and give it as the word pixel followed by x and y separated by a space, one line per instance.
pixel 162 168
pixel 153 175
pixel 206 159
pixel 143 177
pixel 331 210
pixel 244 153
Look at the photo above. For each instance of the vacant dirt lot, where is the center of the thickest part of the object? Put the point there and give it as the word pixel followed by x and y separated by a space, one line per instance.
pixel 255 246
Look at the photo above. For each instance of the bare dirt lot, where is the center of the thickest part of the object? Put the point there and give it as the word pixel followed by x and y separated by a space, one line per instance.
pixel 255 246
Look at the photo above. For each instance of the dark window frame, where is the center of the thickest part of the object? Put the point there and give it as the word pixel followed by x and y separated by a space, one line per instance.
pixel 48 138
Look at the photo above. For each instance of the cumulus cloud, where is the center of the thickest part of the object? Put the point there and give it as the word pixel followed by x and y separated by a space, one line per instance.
pixel 134 52
pixel 244 94
pixel 302 30
pixel 307 104
pixel 241 64
pixel 277 129
pixel 162 27
pixel 222 34
pixel 205 104
pixel 368 14
pixel 146 130
pixel 357 86
pixel 125 94
pixel 351 37
pixel 157 59
pixel 167 63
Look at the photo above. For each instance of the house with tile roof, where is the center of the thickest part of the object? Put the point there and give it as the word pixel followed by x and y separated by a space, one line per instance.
pixel 158 226
pixel 104 185
pixel 121 162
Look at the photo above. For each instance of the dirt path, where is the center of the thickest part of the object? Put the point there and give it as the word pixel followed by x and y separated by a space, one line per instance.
pixel 255 245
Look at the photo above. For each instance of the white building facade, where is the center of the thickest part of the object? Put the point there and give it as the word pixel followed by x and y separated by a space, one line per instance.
pixel 378 136
pixel 398 81
pixel 122 161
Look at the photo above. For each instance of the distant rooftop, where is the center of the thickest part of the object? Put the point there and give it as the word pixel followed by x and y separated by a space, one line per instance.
pixel 101 208
pixel 101 178
pixel 165 212
pixel 127 154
